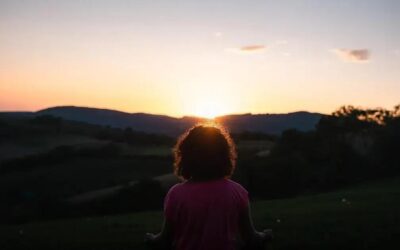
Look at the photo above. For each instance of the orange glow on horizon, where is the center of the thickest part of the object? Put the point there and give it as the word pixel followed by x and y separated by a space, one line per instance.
pixel 210 109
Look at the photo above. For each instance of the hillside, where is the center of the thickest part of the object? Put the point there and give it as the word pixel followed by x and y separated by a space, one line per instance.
pixel 363 217
pixel 271 123
pixel 150 123
pixel 46 161
pixel 265 123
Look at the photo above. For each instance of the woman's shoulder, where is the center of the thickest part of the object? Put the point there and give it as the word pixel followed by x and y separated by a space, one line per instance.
pixel 236 185
pixel 180 187
pixel 173 192
pixel 175 187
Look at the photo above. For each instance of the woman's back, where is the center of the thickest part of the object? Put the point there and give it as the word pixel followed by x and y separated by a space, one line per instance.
pixel 205 215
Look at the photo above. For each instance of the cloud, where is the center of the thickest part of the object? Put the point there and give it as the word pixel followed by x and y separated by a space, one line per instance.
pixel 353 55
pixel 248 49
pixel 251 48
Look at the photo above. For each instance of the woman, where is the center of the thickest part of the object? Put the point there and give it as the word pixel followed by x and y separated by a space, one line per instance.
pixel 207 210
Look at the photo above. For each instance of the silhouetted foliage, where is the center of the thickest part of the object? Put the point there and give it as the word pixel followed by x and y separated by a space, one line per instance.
pixel 350 146
pixel 249 135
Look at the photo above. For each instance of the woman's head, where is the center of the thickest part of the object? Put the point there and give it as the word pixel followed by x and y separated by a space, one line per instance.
pixel 204 153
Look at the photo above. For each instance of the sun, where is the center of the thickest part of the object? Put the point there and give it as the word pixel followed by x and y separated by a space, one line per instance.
pixel 207 100
pixel 209 109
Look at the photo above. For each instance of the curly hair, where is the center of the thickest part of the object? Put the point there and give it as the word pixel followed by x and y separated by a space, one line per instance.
pixel 204 152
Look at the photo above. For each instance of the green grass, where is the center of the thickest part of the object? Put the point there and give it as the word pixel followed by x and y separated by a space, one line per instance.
pixel 363 217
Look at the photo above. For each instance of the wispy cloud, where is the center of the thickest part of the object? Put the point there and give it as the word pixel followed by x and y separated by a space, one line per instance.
pixel 353 55
pixel 248 49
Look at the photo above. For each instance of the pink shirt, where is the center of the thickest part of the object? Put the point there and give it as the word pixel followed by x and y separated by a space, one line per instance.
pixel 205 215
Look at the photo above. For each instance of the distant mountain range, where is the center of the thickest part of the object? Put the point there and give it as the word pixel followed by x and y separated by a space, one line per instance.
pixel 161 124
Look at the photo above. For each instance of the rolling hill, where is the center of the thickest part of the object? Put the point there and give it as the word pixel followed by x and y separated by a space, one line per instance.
pixel 265 123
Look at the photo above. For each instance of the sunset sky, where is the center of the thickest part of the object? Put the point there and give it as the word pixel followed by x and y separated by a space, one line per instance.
pixel 199 57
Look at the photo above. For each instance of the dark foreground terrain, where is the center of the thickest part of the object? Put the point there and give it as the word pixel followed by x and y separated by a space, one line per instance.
pixel 366 216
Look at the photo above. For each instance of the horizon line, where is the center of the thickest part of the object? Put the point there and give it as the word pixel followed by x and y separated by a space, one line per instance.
pixel 156 114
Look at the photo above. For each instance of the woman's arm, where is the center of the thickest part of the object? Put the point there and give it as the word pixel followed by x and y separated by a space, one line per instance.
pixel 249 233
pixel 162 239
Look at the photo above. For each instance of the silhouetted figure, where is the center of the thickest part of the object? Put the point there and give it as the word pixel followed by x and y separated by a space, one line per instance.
pixel 207 210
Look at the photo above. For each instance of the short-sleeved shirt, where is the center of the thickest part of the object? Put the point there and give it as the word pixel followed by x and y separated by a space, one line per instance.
pixel 205 215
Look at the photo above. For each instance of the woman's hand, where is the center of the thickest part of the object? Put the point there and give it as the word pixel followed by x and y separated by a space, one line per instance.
pixel 266 235
pixel 160 240
pixel 259 239
pixel 253 238
pixel 152 239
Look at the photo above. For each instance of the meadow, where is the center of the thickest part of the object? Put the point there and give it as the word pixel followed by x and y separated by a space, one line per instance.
pixel 72 185
pixel 365 216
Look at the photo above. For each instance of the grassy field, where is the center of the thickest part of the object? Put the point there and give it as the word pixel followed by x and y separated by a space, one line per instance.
pixel 363 217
